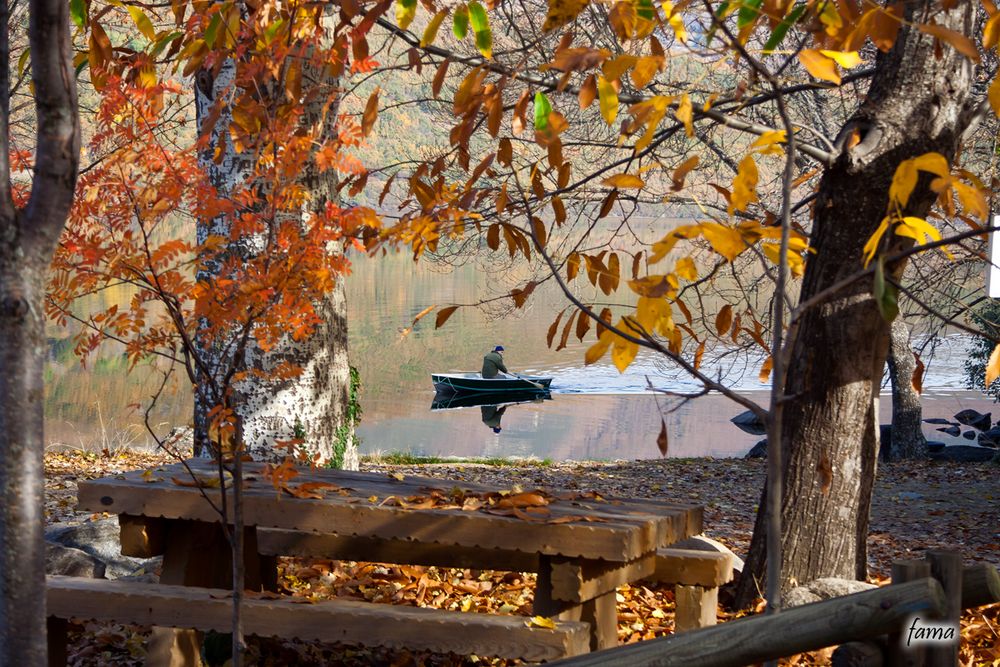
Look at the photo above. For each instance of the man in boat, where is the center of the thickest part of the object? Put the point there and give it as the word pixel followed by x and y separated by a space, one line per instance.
pixel 492 415
pixel 493 363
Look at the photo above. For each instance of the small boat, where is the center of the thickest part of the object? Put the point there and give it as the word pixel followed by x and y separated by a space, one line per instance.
pixel 454 401
pixel 456 383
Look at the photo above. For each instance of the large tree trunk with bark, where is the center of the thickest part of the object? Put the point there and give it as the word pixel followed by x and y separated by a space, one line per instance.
pixel 27 239
pixel 908 440
pixel 314 405
pixel 918 102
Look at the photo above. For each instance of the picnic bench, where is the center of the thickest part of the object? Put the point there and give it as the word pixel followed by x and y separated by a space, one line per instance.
pixel 582 547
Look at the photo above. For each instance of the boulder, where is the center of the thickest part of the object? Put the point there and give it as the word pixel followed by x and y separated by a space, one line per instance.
pixel 824 589
pixel 71 562
pixel 969 435
pixel 953 430
pixel 101 540
pixel 937 420
pixel 975 419
pixel 965 454
pixel 990 438
pixel 749 422
pixel 758 451
pixel 703 543
pixel 935 446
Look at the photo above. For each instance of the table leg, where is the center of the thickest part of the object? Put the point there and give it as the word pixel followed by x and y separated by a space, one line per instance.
pixel 198 554
pixel 601 612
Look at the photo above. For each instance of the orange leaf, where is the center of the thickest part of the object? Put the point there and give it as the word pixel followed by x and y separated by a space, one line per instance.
pixel 624 181
pixel 993 366
pixel 819 66
pixel 957 40
pixel 724 319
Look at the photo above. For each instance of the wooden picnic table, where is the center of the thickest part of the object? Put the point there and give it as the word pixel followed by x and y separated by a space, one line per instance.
pixel 581 545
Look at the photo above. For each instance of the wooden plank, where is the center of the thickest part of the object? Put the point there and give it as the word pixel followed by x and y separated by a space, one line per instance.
pixel 896 654
pixel 278 542
pixel 582 580
pixel 709 569
pixel 755 639
pixel 697 607
pixel 858 654
pixel 946 567
pixel 347 621
pixel 622 533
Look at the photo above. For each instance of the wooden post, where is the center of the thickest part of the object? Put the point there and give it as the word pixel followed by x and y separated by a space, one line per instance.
pixel 980 585
pixel 56 631
pixel 858 654
pixel 946 567
pixel 897 654
pixel 601 612
pixel 696 607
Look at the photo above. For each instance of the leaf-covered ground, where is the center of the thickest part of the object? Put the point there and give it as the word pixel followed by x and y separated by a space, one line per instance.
pixel 917 506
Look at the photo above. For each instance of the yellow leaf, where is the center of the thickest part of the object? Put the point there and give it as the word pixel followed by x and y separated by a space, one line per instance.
pixel 726 241
pixel 562 12
pixel 431 31
pixel 991 33
pixel 917 229
pixel 819 65
pixel 142 22
pixel 686 269
pixel 614 68
pixel 682 171
pixel 598 349
pixel 871 246
pixel 993 366
pixel 905 178
pixel 744 185
pixel 767 143
pixel 541 622
pixel 623 181
pixel 846 59
pixel 623 352
pixel 608 99
pixel 685 114
pixel 994 92
pixel 645 69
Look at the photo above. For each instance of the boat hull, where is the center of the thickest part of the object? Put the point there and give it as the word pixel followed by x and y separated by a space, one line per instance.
pixel 467 383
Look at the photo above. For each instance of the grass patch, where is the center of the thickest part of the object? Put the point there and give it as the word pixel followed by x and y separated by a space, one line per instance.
pixel 405 458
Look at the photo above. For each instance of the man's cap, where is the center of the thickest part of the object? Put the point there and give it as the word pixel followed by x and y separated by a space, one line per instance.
pixel 498 348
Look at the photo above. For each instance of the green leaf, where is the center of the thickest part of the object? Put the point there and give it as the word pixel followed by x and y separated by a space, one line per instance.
pixel 460 22
pixel 143 23
pixel 431 31
pixel 644 10
pixel 542 110
pixel 886 294
pixel 271 31
pixel 162 42
pixel 749 11
pixel 782 28
pixel 212 30
pixel 481 27
pixel 78 12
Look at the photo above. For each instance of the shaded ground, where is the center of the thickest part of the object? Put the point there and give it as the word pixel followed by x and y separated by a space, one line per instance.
pixel 916 506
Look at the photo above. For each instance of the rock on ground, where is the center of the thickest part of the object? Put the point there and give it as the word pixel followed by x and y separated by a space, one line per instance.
pixel 72 562
pixel 824 589
pixel 100 539
pixel 965 454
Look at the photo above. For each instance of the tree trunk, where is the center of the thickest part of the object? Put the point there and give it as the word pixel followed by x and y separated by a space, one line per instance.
pixel 908 440
pixel 314 405
pixel 917 103
pixel 27 239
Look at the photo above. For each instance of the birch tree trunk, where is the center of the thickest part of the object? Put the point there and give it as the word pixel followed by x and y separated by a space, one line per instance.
pixel 28 238
pixel 313 406
pixel 919 101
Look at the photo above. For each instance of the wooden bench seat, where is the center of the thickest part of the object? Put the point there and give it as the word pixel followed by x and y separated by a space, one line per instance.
pixel 347 621
pixel 696 576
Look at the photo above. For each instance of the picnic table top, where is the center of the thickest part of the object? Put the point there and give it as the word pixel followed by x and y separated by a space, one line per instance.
pixel 418 509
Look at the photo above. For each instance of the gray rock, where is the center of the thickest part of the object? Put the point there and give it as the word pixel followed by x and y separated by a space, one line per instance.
pixel 989 438
pixel 749 422
pixel 101 540
pixel 964 454
pixel 937 420
pixel 969 435
pixel 704 543
pixel 71 562
pixel 951 430
pixel 824 589
pixel 975 419
pixel 758 451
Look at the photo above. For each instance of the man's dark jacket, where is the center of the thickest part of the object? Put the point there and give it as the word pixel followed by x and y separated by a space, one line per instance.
pixel 492 364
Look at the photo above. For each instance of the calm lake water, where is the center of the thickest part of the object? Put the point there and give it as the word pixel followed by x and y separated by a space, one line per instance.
pixel 594 412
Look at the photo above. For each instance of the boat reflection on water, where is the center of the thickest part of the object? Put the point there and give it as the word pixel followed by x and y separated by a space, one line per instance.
pixel 492 406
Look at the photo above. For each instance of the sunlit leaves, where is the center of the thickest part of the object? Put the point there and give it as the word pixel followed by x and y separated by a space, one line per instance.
pixel 431 31
pixel 624 181
pixel 608 100
pixel 993 367
pixel 681 172
pixel 904 180
pixel 685 114
pixel 405 11
pixel 142 22
pixel 370 114
pixel 823 64
pixel 460 22
pixel 78 12
pixel 481 29
pixel 542 109
pixel 561 12
pixel 744 185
